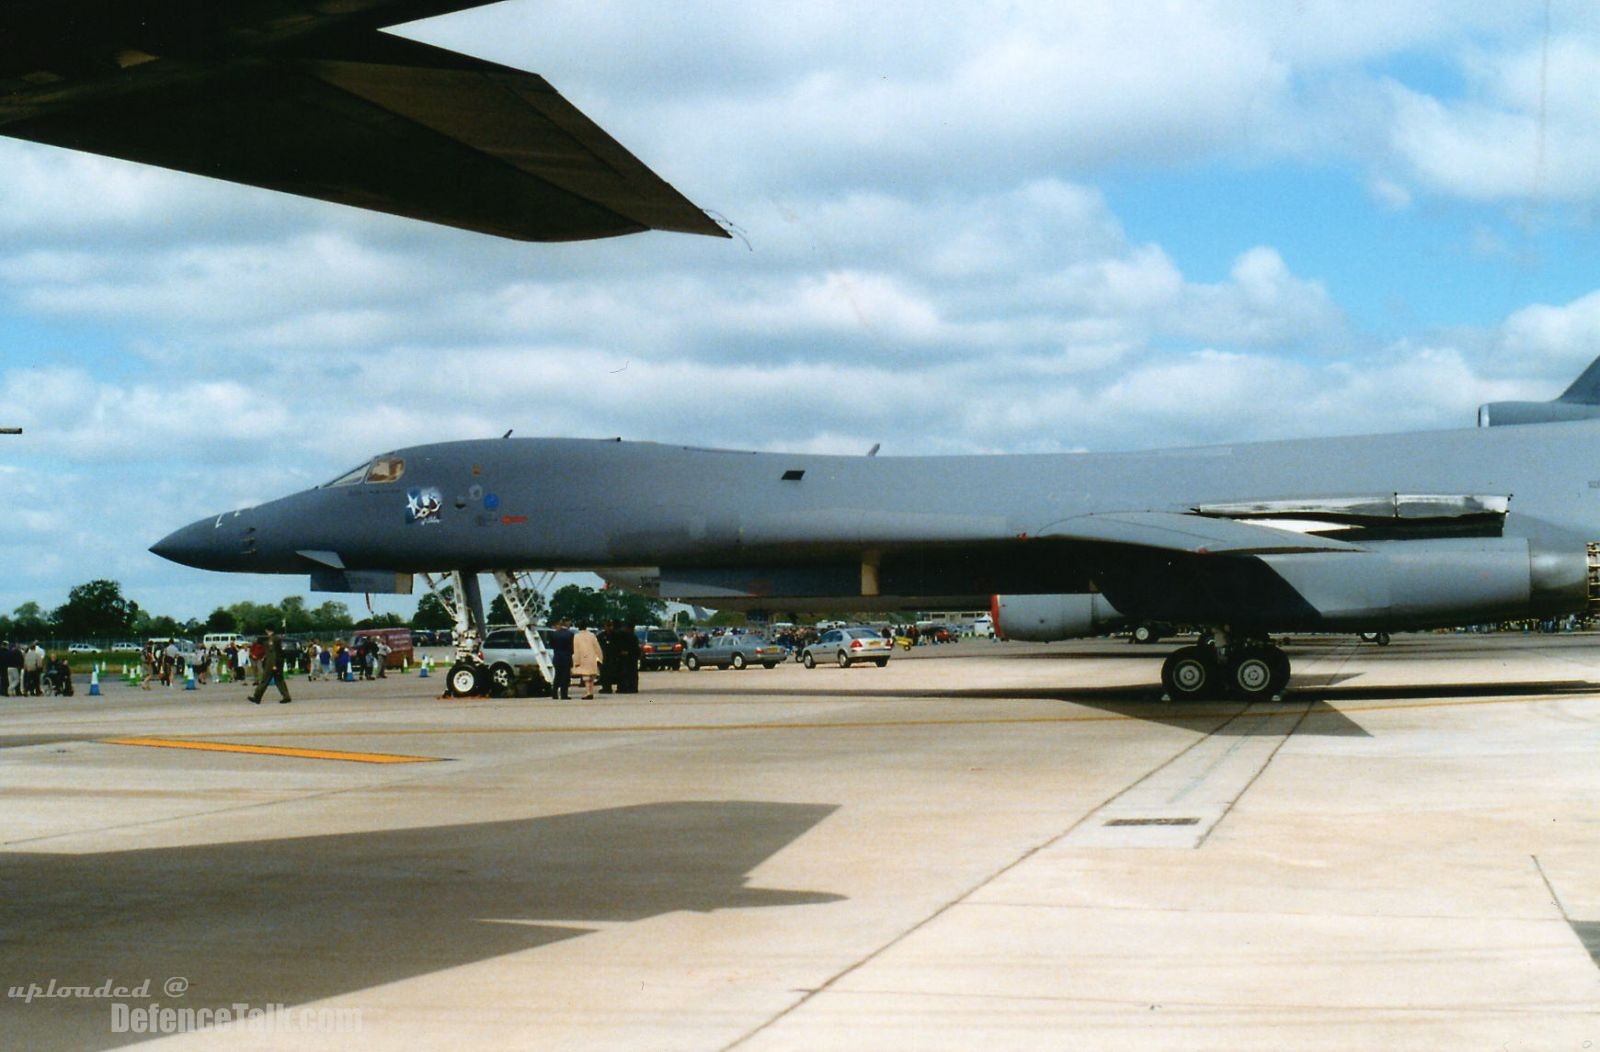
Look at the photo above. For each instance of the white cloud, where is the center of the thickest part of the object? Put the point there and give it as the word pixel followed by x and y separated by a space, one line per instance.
pixel 1545 339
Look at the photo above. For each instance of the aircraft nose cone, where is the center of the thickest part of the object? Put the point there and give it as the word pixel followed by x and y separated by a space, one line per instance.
pixel 196 544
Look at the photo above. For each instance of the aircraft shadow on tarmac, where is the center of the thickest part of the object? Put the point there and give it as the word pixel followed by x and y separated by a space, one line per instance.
pixel 297 920
pixel 1137 702
pixel 1322 692
pixel 1589 933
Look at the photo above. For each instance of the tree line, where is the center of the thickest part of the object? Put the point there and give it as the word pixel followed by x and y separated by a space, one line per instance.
pixel 98 610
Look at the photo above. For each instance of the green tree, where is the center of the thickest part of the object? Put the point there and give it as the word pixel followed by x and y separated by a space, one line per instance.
pixel 28 620
pixel 431 613
pixel 500 611
pixel 295 616
pixel 95 610
pixel 576 603
pixel 253 617
pixel 148 626
pixel 382 621
pixel 332 616
pixel 221 620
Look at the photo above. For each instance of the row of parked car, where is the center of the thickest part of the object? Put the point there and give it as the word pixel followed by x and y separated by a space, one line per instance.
pixel 837 646
pixel 508 656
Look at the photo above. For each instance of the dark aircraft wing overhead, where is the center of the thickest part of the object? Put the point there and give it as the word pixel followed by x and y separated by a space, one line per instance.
pixel 363 118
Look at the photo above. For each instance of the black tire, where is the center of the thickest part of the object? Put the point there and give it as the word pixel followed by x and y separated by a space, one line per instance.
pixel 737 661
pixel 881 662
pixel 769 664
pixel 808 659
pixel 502 680
pixel 1258 673
pixel 691 663
pixel 467 680
pixel 1143 633
pixel 843 659
pixel 1382 639
pixel 1190 673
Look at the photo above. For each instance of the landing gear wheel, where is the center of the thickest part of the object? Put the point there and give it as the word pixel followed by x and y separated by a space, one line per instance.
pixel 1258 673
pixel 738 661
pixel 502 680
pixel 467 680
pixel 1190 673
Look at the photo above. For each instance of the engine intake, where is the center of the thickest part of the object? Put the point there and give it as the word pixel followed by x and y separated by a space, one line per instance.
pixel 1046 618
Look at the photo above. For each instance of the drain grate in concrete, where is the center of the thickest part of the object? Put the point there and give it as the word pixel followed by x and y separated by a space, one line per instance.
pixel 1154 822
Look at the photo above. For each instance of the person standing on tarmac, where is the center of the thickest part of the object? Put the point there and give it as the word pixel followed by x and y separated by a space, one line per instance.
pixel 586 659
pixel 271 669
pixel 610 640
pixel 626 674
pixel 561 658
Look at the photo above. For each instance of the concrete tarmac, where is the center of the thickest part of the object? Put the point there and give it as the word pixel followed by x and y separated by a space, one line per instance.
pixel 983 845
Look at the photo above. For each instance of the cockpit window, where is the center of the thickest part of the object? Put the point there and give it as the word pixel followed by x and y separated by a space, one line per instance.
pixel 386 469
pixel 383 469
pixel 349 478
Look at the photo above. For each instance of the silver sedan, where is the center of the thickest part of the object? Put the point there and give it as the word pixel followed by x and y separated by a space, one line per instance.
pixel 846 647
pixel 734 651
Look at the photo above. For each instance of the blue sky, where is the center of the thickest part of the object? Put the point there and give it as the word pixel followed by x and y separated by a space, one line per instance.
pixel 1035 226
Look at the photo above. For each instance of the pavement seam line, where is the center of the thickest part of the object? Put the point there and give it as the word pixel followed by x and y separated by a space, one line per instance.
pixel 1045 845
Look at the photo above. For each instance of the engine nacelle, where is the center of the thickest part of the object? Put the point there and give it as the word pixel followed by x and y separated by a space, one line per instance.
pixel 1433 583
pixel 1439 583
pixel 1501 414
pixel 1045 618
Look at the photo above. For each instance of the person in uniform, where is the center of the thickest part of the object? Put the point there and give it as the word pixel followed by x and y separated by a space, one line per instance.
pixel 628 653
pixel 271 669
pixel 561 638
pixel 609 664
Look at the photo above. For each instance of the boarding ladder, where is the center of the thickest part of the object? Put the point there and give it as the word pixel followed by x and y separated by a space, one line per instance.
pixel 452 597
pixel 515 586
pixel 1594 578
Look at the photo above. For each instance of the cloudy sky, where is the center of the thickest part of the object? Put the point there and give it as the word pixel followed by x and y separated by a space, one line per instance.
pixel 964 227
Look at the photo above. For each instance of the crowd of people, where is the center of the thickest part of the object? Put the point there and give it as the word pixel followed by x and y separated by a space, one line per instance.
pixel 26 668
pixel 168 665
pixel 608 662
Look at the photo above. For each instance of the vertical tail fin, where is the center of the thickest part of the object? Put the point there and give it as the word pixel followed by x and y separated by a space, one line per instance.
pixel 1581 401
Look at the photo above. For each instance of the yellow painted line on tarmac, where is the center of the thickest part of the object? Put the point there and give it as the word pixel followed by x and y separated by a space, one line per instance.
pixel 1288 708
pixel 271 750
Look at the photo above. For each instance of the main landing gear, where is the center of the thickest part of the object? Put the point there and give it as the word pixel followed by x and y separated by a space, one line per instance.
pixel 1252 669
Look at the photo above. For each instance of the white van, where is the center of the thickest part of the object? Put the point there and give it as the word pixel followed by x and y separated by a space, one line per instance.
pixel 214 641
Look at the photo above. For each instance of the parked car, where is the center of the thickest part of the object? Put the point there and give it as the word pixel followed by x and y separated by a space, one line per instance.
pixel 734 650
pixel 125 648
pixel 659 648
pixel 846 647
pixel 82 648
pixel 511 663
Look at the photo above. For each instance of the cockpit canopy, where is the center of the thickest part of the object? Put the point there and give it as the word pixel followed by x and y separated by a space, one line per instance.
pixel 375 472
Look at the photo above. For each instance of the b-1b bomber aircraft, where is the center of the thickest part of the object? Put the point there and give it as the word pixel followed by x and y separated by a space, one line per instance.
pixel 1358 534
